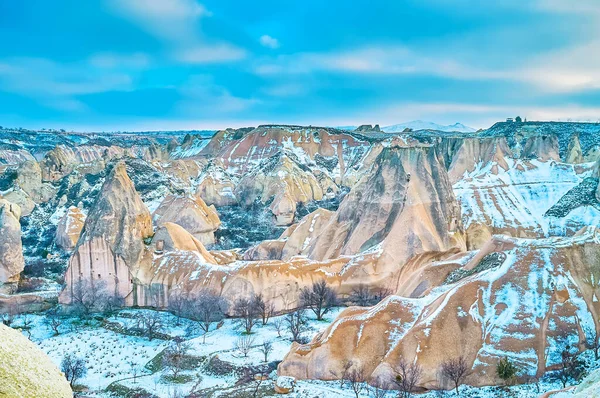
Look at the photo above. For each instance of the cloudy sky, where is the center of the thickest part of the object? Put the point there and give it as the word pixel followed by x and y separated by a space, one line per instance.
pixel 182 64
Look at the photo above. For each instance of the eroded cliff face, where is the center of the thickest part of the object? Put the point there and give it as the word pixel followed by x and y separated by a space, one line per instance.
pixel 408 186
pixel 11 249
pixel 111 244
pixel 517 298
pixel 216 186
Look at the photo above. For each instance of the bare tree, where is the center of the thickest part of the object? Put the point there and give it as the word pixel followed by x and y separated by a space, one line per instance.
pixel 150 323
pixel 178 301
pixel 208 308
pixel 354 377
pixel 380 388
pixel 244 344
pixel 175 355
pixel 361 296
pixel 247 313
pixel 407 377
pixel 346 365
pixel 135 369
pixel 111 303
pixel 296 324
pixel 88 297
pixel 319 298
pixel 265 309
pixel 455 370
pixel 593 343
pixel 571 367
pixel 279 324
pixel 54 320
pixel 266 348
pixel 27 323
pixel 73 368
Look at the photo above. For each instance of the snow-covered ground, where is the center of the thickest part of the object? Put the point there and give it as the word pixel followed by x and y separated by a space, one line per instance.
pixel 113 357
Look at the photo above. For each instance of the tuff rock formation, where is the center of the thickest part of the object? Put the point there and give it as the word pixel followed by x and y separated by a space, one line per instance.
pixel 518 298
pixel 192 214
pixel 11 250
pixel 69 228
pixel 215 186
pixel 111 244
pixel 26 372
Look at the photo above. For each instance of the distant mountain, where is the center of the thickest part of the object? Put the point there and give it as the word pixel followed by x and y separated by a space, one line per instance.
pixel 423 125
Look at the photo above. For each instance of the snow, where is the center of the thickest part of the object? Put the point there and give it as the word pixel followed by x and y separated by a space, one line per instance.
pixel 518 197
pixel 424 125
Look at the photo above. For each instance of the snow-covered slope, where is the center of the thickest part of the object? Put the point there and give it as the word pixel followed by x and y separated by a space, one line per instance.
pixel 424 125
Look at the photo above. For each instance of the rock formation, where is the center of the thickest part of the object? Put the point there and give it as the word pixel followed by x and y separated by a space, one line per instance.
pixel 111 245
pixel 519 298
pixel 69 228
pixel 574 152
pixel 407 186
pixel 26 372
pixel 192 214
pixel 541 147
pixel 11 250
pixel 475 152
pixel 215 186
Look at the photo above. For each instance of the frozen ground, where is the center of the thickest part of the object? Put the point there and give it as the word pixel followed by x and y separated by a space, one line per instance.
pixel 113 358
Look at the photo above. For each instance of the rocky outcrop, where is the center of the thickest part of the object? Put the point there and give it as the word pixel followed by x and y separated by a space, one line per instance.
pixel 216 186
pixel 111 245
pixel 574 152
pixel 407 186
pixel 332 148
pixel 515 199
pixel 517 298
pixel 11 250
pixel 541 147
pixel 192 214
pixel 284 178
pixel 478 152
pixel 62 160
pixel 26 372
pixel 69 228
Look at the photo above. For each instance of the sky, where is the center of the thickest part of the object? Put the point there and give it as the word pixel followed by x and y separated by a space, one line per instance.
pixel 107 65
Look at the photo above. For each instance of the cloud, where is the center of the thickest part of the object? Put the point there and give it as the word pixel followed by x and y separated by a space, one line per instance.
pixel 202 96
pixel 57 85
pixel 203 54
pixel 177 23
pixel 173 20
pixel 113 60
pixel 268 41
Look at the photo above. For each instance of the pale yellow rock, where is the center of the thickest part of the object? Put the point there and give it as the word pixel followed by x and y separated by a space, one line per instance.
pixel 11 250
pixel 192 214
pixel 26 372
pixel 69 228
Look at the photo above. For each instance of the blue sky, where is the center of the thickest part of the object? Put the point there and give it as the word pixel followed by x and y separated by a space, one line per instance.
pixel 183 64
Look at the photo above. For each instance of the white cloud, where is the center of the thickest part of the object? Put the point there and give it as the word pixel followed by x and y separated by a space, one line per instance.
pixel 202 54
pixel 268 41
pixel 57 85
pixel 113 60
pixel 177 23
pixel 202 95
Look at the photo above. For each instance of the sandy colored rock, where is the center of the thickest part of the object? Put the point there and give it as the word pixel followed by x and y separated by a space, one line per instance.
pixel 518 298
pixel 11 249
pixel 541 147
pixel 298 239
pixel 26 372
pixel 474 152
pixel 112 239
pixel 192 214
pixel 216 187
pixel 283 208
pixel 69 228
pixel 574 152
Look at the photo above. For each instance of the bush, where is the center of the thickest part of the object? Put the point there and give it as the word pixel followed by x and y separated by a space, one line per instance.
pixel 506 370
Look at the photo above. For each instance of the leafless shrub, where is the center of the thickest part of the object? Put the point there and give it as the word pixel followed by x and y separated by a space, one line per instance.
pixel 455 370
pixel 407 377
pixel 319 298
pixel 244 344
